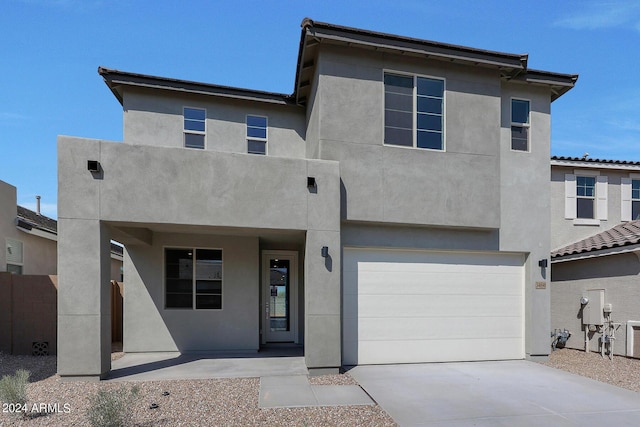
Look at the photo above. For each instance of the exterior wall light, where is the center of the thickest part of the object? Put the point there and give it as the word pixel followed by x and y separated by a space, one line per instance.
pixel 543 263
pixel 311 182
pixel 324 251
pixel 93 166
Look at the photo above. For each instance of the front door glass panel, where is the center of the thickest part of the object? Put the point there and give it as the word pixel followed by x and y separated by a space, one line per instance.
pixel 279 293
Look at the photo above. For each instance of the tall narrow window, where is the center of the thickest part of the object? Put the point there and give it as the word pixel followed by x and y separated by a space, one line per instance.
pixel 519 125
pixel 635 199
pixel 193 278
pixel 256 135
pixel 194 127
pixel 586 196
pixel 413 111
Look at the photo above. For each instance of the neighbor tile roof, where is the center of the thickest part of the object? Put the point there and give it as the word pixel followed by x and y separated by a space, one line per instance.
pixel 620 235
pixel 38 221
pixel 582 159
pixel 50 225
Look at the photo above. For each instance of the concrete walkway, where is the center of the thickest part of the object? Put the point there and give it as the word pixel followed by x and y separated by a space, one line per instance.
pixel 176 366
pixel 511 393
pixel 295 391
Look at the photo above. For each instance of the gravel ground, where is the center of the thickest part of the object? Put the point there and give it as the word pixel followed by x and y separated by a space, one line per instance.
pixel 216 402
pixel 232 402
pixel 621 371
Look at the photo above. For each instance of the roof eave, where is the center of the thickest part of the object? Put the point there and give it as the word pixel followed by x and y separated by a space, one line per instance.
pixel 615 250
pixel 115 79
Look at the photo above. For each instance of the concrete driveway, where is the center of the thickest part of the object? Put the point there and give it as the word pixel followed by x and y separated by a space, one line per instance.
pixel 509 393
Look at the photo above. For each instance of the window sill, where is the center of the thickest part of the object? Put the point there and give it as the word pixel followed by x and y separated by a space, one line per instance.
pixel 586 221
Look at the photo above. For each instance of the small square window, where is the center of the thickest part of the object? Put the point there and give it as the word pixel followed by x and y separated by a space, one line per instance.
pixel 193 278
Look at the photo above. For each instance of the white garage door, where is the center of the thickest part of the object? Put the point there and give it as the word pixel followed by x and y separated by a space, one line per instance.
pixel 403 306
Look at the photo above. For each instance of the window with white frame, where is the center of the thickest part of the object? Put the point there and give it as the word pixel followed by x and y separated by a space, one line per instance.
pixel 194 127
pixel 14 256
pixel 193 278
pixel 256 135
pixel 520 125
pixel 586 197
pixel 413 111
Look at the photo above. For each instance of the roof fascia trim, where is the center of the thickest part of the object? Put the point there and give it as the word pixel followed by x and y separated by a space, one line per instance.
pixel 593 165
pixel 115 78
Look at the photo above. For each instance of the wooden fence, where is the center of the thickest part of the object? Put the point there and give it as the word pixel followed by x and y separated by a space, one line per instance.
pixel 29 313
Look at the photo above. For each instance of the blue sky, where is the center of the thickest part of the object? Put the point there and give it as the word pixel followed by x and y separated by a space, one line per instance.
pixel 50 51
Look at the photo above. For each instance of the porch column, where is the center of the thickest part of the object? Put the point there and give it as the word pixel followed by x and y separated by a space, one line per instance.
pixel 322 343
pixel 84 299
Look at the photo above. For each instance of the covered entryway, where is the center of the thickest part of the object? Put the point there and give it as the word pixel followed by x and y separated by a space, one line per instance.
pixel 413 306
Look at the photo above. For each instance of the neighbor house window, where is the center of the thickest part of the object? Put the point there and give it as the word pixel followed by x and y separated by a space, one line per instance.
pixel 194 127
pixel 519 125
pixel 15 261
pixel 193 278
pixel 586 196
pixel 256 135
pixel 635 199
pixel 413 111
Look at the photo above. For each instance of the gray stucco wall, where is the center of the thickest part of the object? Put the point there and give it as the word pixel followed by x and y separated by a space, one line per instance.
pixel 410 186
pixel 477 182
pixel 144 192
pixel 618 275
pixel 156 118
pixel 525 206
pixel 149 326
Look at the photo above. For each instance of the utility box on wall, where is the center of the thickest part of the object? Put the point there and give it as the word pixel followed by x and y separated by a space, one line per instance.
pixel 592 312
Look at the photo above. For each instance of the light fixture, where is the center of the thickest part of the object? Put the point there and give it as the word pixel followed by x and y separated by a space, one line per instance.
pixel 324 251
pixel 311 183
pixel 93 166
pixel 543 263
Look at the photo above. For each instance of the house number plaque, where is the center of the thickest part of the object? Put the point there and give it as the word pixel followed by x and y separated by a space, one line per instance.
pixel 541 285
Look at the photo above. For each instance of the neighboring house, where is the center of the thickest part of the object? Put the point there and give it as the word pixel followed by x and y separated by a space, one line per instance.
pixel 393 209
pixel 30 239
pixel 595 206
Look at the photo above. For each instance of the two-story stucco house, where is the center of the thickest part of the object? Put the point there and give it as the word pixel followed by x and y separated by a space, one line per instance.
pixel 394 208
pixel 595 242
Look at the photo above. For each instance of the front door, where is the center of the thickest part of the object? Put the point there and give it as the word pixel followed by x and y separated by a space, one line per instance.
pixel 279 296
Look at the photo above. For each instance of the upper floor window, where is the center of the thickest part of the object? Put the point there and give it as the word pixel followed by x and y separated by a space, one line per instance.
pixel 413 111
pixel 15 261
pixel 256 135
pixel 586 197
pixel 519 125
pixel 194 127
pixel 586 194
pixel 193 278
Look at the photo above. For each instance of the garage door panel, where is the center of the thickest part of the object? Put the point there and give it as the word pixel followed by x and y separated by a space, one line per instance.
pixel 379 352
pixel 428 328
pixel 435 283
pixel 408 306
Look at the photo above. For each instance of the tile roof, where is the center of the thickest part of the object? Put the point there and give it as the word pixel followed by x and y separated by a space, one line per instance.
pixel 40 222
pixel 44 223
pixel 620 235
pixel 582 159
